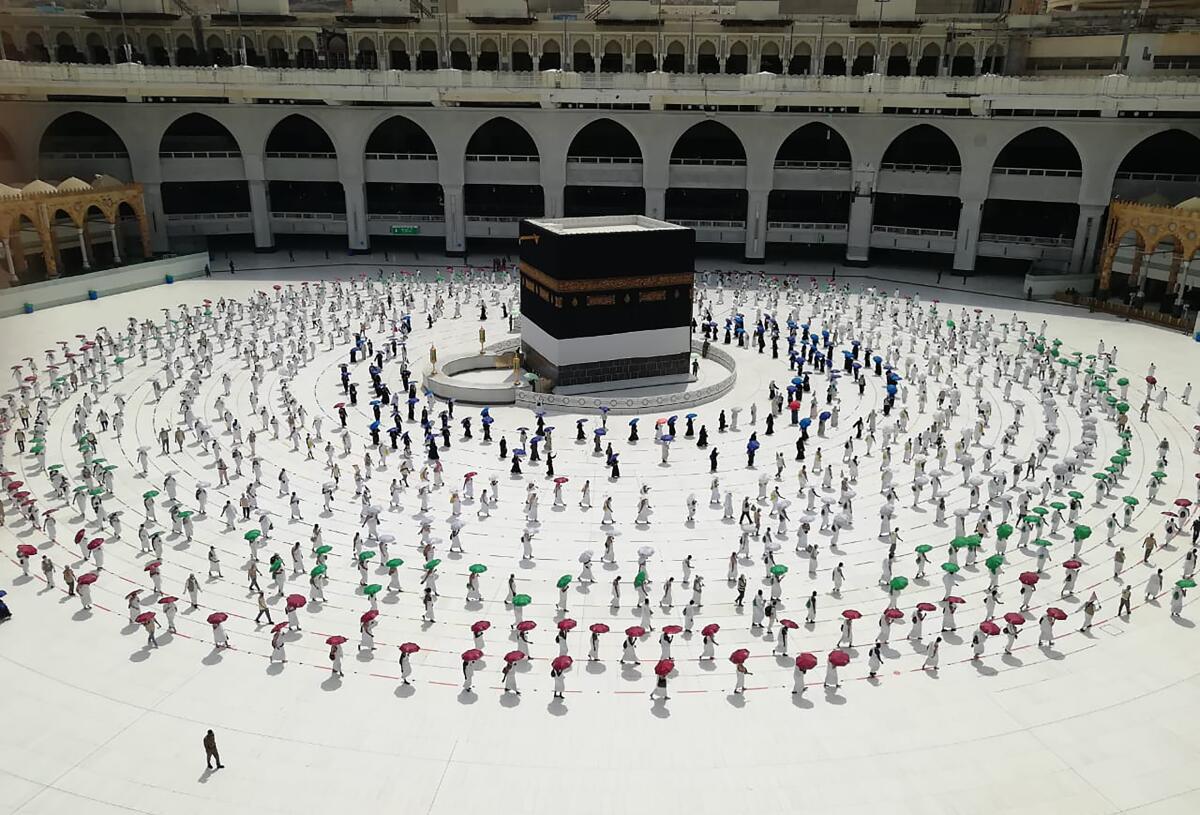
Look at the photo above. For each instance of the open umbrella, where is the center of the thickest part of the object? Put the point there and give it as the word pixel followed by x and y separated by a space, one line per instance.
pixel 1029 578
pixel 217 617
pixel 472 654
pixel 990 628
pixel 599 628
pixel 672 630
pixel 924 548
pixel 513 656
pixel 88 579
pixel 635 631
pixel 429 566
pixel 779 569
pixel 367 616
pixel 851 614
pixel 319 570
pixel 1056 613
pixel 806 661
pixel 336 639
pixel 371 589
pixel 950 568
pixel 710 630
pixel 297 600
pixel 26 550
pixel 521 600
pixel 1014 618
pixel 323 549
pixel 526 625
pixel 566 624
pixel 253 534
pixel 144 617
pixel 839 658
pixel 664 667
pixel 739 656
pixel 926 607
pixel 1072 564
pixel 396 563
pixel 1186 583
pixel 563 581
pixel 954 601
pixel 409 648
pixel 893 614
pixel 479 626
pixel 275 629
pixel 561 663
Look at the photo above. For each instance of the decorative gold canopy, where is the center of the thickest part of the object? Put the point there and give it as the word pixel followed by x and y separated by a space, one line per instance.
pixel 1152 224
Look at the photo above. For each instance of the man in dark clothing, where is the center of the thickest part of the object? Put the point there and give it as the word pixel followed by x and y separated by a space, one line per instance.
pixel 210 751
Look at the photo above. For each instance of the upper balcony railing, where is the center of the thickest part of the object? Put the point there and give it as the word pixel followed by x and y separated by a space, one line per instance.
pixel 978 94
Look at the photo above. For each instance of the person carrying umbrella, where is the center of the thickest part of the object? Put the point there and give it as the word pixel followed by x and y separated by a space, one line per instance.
pixel 509 673
pixel 148 622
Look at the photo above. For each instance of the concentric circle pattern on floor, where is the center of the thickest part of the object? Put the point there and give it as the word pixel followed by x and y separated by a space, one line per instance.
pixel 1002 453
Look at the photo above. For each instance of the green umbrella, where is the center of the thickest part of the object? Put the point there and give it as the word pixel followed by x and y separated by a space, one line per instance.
pixel 394 563
pixel 1159 474
pixel 1033 519
pixel 85 448
pixel 1122 407
pixel 949 324
pixel 54 467
pixel 276 566
pixel 1040 510
pixel 96 491
pixel 99 460
pixel 898 583
pixel 1043 542
pixel 924 548
pixel 1113 468
pixel 186 513
pixel 1126 434
pixel 1004 531
pixel 1082 532
pixel 1100 476
pixel 431 565
pixel 317 571
pixel 324 549
pixel 779 569
pixel 1186 583
pixel 108 468
pixel 1124 451
pixel 994 562
pixel 974 541
pixel 477 568
pixel 253 535
pixel 521 600
pixel 365 555
pixel 81 488
pixel 1075 494
pixel 950 567
pixel 150 494
pixel 1117 460
pixel 1129 499
pixel 959 543
pixel 564 581
pixel 639 579
pixel 37 449
pixel 1122 382
pixel 119 360
pixel 372 589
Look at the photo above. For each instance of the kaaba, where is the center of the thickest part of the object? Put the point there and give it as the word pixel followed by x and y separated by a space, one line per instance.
pixel 606 302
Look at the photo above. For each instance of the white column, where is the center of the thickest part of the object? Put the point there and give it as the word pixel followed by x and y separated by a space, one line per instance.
pixel 8 259
pixel 756 226
pixel 87 266
pixel 456 219
pixel 260 216
pixel 862 213
pixel 116 244
pixel 1087 232
pixel 966 241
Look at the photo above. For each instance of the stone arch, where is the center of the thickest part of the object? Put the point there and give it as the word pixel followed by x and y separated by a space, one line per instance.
pixel 197 132
pixel 922 145
pixel 1170 152
pixel 814 142
pixel 460 59
pixel 520 58
pixel 864 60
pixel 931 55
pixel 489 55
pixel 298 133
pixel 800 61
pixel 400 135
pixel 834 63
pixel 706 58
pixel 708 141
pixel 898 63
pixel 963 63
pixel 612 61
pixel 644 58
pixel 581 57
pixel 738 59
pixel 501 136
pixel 551 58
pixel 675 59
pixel 769 60
pixel 1040 148
pixel 605 138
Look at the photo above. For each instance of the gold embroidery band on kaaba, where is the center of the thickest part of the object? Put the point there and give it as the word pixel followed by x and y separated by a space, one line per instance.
pixel 604 284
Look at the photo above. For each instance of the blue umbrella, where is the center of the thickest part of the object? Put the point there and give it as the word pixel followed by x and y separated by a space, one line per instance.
pixel 668 437
pixel 537 439
pixel 797 380
pixel 549 428
pixel 825 414
pixel 486 411
pixel 691 416
pixel 604 408
pixel 599 431
pixel 805 422
pixel 522 429
pixel 634 420
pixel 673 419
pixel 752 445
pixel 518 452
pixel 539 413
pixel 376 402
pixel 877 359
pixel 857 366
pixel 487 420
pixel 374 425
pixel 412 400
pixel 891 389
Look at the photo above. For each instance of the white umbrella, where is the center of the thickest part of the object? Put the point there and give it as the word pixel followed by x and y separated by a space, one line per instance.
pixel 645 551
pixel 585 555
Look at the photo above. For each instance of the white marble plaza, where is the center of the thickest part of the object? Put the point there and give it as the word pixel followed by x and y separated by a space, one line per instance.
pixel 1101 720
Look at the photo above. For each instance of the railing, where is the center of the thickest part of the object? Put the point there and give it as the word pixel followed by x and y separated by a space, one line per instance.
pixel 500 158
pixel 1187 178
pixel 301 154
pixel 494 219
pixel 208 216
pixel 1183 324
pixel 604 159
pixel 1041 172
pixel 199 154
pixel 1034 240
pixel 915 231
pixel 402 156
pixel 78 155
pixel 788 164
pixel 806 227
pixel 309 216
pixel 406 218
pixel 710 224
pixel 709 162
pixel 903 167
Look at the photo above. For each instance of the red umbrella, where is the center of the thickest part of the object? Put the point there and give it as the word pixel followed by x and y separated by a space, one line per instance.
pixel 806 661
pixel 990 628
pixel 1152 380
pixel 472 654
pixel 79 535
pixel 893 614
pixel 162 601
pixel 635 631
pixel 526 625
pixel 561 663
pixel 562 479
pixel 409 648
pixel 20 496
pixel 1029 578
pixel 839 659
pixel 954 601
pixel 710 630
pixel 480 626
pixel 566 624
pixel 217 617
pixel 1014 618
pixel 1056 613
pixel 278 627
pixel 133 594
pixel 1072 564
pixel 88 579
pixel 786 623
pixel 144 617
pixel 15 485
pixel 26 550
pixel 94 544
pixel 297 600
pixel 368 616
pixel 739 656
pixel 851 614
pixel 1182 502
pixel 513 656
pixel 664 667
pixel 339 405
pixel 926 607
pixel 152 565
pixel 598 628
pixel 672 630
pixel 336 639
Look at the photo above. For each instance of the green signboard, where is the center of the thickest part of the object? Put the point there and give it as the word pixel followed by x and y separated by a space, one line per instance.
pixel 406 230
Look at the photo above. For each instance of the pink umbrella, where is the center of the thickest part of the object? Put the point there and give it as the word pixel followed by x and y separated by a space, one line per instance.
pixel 297 600
pixel 26 550
pixel 635 631
pixel 152 565
pixel 1029 578
pixel 1182 502
pixel 672 630
pixel 513 656
pixel 664 667
pixel 954 601
pixel 368 616
pixel 79 535
pixel 94 544
pixel 786 623
pixel 409 648
pixel 739 656
pixel 526 625
pixel 472 654
pixel 133 594
pixel 566 624
pixel 598 628
pixel 88 579
pixel 1014 618
pixel 851 614
pixel 710 630
pixel 480 626
pixel 1056 613
pixel 1072 564
pixel 278 627
pixel 806 661
pixel 162 601
pixel 990 628
pixel 1152 380
pixel 336 639
pixel 217 617
pixel 839 659
pixel 562 479
pixel 144 617
pixel 893 614
pixel 561 663
pixel 926 607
